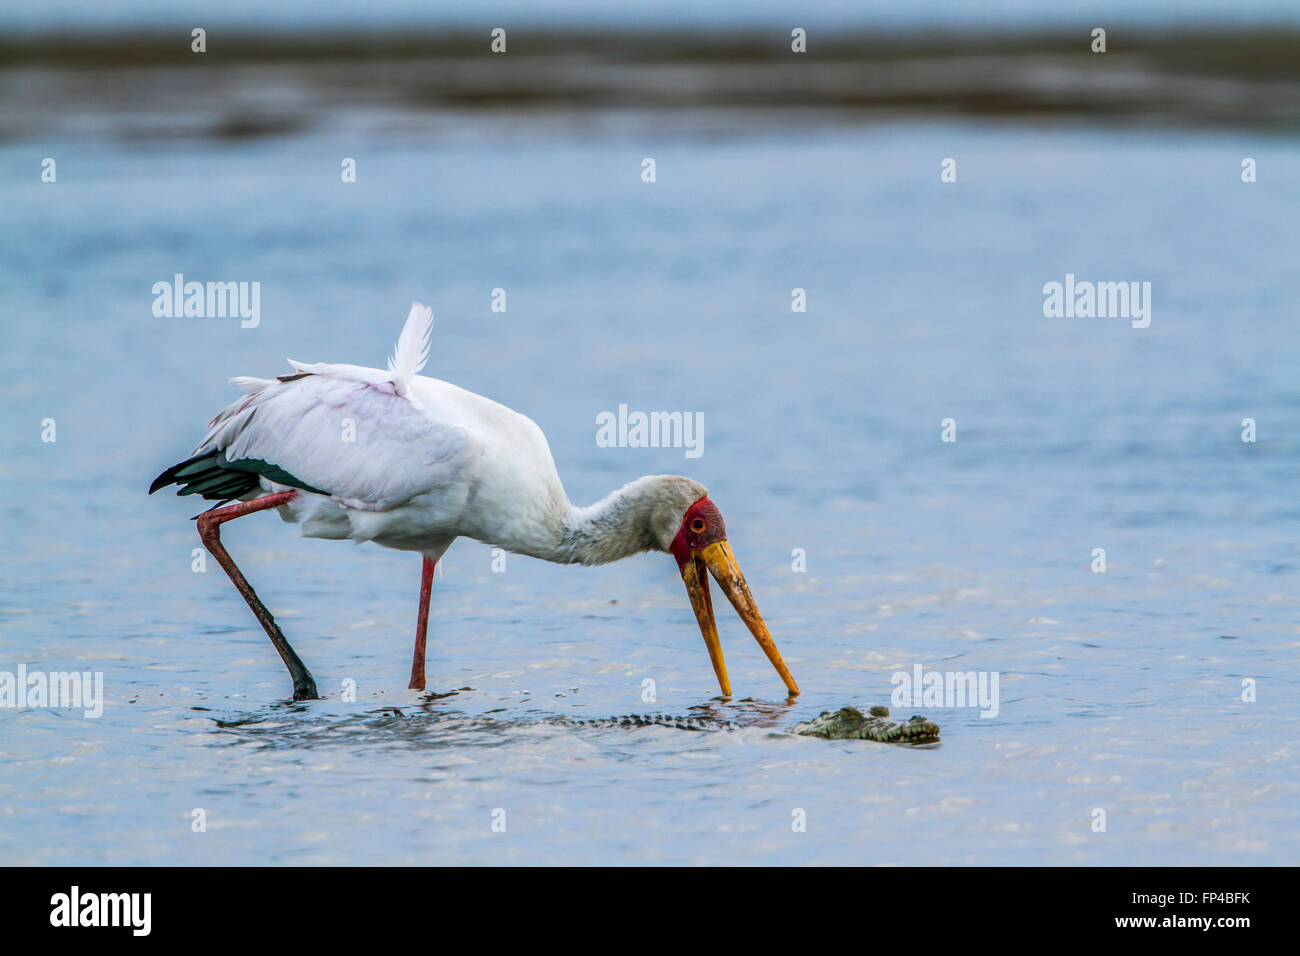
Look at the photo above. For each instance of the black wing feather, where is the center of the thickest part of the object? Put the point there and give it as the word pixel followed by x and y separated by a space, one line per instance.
pixel 216 479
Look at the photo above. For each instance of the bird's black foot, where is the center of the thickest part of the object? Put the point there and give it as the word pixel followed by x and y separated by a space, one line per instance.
pixel 304 687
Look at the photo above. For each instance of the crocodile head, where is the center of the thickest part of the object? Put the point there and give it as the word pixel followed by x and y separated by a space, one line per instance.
pixel 849 723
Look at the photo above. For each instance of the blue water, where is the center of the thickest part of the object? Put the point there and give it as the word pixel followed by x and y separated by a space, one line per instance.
pixel 1120 691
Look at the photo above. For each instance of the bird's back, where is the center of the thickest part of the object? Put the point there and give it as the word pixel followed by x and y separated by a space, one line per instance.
pixel 406 470
pixel 516 499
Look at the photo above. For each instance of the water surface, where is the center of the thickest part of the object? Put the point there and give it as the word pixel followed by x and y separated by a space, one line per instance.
pixel 1120 691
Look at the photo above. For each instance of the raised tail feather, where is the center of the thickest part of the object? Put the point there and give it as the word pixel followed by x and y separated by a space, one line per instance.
pixel 412 352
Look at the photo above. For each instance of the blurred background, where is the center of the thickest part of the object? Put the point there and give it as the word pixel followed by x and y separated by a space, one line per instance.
pixel 775 171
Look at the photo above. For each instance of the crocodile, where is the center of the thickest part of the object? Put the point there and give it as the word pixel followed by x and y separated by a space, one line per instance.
pixel 847 723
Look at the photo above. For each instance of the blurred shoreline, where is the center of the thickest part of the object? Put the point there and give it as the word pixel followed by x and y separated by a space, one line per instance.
pixel 142 87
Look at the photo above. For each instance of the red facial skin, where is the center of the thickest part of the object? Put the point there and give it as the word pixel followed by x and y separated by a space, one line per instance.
pixel 702 525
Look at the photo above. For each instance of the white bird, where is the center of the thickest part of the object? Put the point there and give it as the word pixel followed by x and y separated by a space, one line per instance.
pixel 431 462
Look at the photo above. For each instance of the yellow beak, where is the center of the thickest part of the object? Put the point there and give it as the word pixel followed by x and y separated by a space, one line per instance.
pixel 721 563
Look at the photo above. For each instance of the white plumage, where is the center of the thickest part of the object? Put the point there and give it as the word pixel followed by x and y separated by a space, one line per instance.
pixel 427 461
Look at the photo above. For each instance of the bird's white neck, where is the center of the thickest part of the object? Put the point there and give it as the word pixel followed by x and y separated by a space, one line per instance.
pixel 643 515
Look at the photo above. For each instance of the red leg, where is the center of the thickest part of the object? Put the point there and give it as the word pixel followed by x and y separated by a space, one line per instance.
pixel 422 625
pixel 304 687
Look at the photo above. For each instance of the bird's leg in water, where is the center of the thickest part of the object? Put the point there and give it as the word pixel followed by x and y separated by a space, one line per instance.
pixel 304 687
pixel 422 625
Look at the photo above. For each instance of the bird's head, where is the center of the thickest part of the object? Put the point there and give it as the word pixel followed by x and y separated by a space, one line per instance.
pixel 699 543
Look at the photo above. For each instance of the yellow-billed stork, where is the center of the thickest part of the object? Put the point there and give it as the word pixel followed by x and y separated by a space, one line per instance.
pixel 429 463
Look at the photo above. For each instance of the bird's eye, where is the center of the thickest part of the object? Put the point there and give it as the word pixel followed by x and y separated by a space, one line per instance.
pixel 697 525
